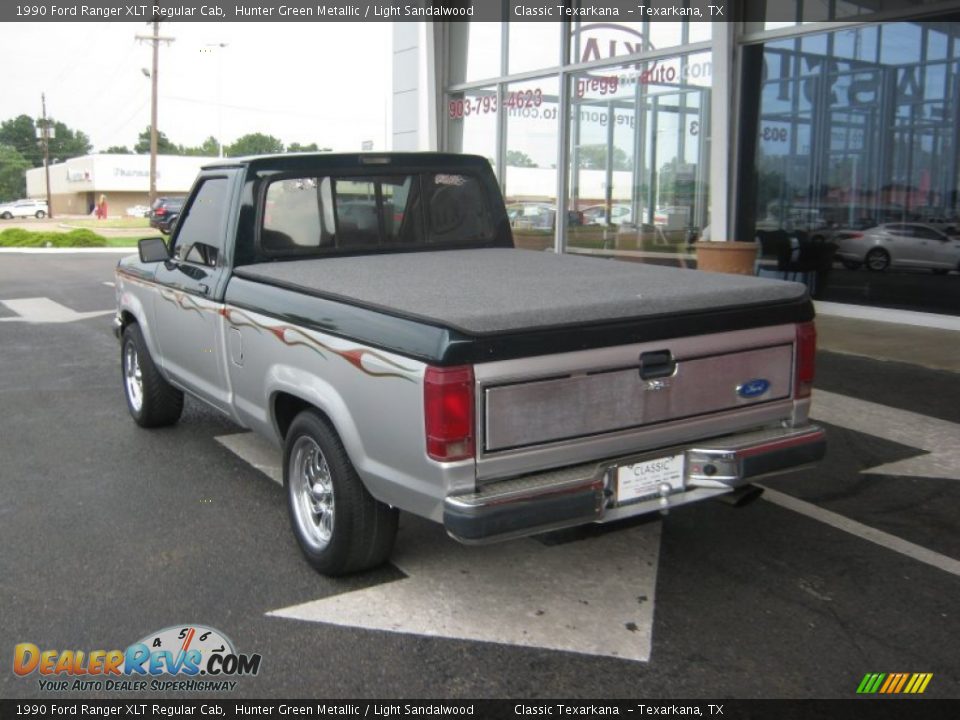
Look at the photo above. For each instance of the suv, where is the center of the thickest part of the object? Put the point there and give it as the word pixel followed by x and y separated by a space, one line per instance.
pixel 24 208
pixel 165 212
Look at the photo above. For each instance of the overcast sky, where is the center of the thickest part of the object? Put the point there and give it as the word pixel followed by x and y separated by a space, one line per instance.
pixel 304 82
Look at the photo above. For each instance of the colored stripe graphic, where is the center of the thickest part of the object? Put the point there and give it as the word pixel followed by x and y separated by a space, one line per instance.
pixel 894 683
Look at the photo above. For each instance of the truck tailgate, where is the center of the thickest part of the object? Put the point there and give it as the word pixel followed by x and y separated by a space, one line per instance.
pixel 589 403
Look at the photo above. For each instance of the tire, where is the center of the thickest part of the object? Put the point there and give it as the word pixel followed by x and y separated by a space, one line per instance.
pixel 151 400
pixel 878 260
pixel 40 215
pixel 851 264
pixel 6 216
pixel 340 527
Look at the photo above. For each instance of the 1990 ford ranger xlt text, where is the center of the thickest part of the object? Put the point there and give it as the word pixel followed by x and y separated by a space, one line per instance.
pixel 369 314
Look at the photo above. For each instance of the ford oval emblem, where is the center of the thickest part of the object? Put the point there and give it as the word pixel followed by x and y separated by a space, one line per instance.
pixel 753 388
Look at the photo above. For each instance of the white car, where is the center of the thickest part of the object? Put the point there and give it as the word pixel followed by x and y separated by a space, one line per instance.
pixel 24 208
pixel 138 211
pixel 913 245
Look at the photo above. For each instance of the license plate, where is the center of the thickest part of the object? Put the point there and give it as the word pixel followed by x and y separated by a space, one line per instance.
pixel 644 479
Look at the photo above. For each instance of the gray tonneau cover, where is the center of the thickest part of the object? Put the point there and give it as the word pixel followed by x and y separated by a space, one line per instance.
pixel 496 290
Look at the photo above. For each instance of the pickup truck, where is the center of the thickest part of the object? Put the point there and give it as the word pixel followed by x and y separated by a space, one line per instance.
pixel 370 315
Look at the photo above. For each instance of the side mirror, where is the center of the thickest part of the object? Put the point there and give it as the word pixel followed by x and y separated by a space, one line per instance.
pixel 153 250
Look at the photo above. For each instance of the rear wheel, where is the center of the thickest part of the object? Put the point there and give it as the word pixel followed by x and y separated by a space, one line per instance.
pixel 6 216
pixel 878 260
pixel 41 215
pixel 340 527
pixel 151 400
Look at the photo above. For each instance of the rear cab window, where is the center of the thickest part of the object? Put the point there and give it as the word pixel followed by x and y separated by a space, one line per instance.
pixel 344 213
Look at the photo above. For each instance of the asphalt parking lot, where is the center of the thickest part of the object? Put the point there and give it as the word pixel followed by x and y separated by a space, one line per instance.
pixel 110 533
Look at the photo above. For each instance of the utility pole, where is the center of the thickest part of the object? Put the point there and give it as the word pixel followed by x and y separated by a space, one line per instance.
pixel 45 136
pixel 155 39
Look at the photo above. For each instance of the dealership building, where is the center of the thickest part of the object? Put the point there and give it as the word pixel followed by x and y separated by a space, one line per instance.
pixel 808 119
pixel 77 184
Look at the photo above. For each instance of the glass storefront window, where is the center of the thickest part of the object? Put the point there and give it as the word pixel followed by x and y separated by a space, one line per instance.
pixel 533 46
pixel 475 51
pixel 472 122
pixel 856 161
pixel 530 176
pixel 638 158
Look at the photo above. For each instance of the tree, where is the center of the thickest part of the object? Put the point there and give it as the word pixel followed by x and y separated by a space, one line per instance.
pixel 117 150
pixel 594 157
pixel 13 173
pixel 209 148
pixel 164 146
pixel 515 158
pixel 21 134
pixel 254 144
pixel 67 143
pixel 297 147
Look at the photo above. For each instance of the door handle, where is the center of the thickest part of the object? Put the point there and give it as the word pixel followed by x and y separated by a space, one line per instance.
pixel 204 288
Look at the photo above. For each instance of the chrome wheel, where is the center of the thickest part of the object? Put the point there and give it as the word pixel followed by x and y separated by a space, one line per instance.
pixel 312 492
pixel 133 377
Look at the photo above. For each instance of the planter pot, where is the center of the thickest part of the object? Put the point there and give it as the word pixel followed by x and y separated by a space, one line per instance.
pixel 727 257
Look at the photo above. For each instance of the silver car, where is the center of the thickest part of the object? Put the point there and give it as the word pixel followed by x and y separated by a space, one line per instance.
pixel 904 245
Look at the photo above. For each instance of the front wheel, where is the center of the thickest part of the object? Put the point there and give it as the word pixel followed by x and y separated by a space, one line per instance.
pixel 151 400
pixel 878 260
pixel 340 527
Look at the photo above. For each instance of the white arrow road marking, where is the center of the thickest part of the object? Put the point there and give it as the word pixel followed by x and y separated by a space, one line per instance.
pixel 45 310
pixel 941 439
pixel 594 596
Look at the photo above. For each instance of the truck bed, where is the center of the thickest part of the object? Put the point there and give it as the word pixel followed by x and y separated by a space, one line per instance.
pixel 495 291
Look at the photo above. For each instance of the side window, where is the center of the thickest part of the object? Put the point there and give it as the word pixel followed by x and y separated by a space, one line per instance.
pixel 925 233
pixel 200 235
pixel 291 217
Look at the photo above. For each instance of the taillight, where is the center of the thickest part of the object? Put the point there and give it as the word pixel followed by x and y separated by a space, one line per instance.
pixel 448 412
pixel 160 211
pixel 806 358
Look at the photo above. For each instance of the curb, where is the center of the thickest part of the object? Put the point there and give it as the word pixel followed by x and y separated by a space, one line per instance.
pixel 132 250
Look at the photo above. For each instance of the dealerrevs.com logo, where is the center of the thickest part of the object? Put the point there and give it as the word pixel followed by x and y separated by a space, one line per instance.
pixel 180 658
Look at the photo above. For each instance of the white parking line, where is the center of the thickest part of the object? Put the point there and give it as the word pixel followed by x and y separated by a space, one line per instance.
pixel 865 532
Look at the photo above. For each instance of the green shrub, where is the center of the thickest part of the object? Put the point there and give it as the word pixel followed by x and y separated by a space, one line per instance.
pixel 18 237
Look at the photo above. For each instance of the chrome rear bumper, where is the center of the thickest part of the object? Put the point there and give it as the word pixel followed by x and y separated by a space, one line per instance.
pixel 586 493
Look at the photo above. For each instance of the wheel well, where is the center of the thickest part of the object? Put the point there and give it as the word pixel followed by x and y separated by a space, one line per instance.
pixel 126 318
pixel 286 407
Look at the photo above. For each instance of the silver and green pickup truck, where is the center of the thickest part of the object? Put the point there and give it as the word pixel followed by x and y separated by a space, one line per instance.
pixel 370 315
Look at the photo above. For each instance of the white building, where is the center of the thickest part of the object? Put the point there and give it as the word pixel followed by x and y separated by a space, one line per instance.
pixel 77 184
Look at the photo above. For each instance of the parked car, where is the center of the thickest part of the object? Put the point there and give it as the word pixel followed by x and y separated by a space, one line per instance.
pixel 539 216
pixel 24 208
pixel 165 212
pixel 441 371
pixel 907 245
pixel 138 211
pixel 597 214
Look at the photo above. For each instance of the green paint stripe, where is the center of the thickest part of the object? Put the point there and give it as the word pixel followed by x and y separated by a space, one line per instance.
pixel 862 688
pixel 876 685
